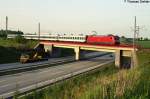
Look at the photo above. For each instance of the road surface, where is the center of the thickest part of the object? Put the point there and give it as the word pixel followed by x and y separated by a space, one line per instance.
pixel 10 66
pixel 29 80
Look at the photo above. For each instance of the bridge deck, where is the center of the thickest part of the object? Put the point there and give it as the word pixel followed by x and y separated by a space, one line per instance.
pixel 74 44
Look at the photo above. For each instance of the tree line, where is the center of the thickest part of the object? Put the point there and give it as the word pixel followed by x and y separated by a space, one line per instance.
pixel 4 33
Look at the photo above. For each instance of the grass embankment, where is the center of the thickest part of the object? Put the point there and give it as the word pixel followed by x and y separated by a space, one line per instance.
pixel 15 44
pixel 106 83
pixel 10 50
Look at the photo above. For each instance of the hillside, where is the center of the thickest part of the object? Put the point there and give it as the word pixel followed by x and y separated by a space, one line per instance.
pixel 10 49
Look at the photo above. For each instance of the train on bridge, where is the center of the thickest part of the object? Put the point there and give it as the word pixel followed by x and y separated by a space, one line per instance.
pixel 89 39
pixel 92 39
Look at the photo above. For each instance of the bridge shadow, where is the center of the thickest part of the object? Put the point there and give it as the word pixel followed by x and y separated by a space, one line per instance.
pixel 9 54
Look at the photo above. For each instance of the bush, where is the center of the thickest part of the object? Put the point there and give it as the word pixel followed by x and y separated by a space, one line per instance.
pixel 3 34
pixel 20 39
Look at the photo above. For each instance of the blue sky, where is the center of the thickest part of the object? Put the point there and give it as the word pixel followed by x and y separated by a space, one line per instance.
pixel 103 16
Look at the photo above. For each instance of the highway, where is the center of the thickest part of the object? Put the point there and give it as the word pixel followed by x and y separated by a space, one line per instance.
pixel 17 65
pixel 12 68
pixel 26 81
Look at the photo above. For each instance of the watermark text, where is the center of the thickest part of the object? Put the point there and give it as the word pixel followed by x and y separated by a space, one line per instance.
pixel 137 1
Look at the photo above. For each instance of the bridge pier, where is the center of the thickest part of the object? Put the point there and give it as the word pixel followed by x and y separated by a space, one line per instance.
pixel 77 53
pixel 48 49
pixel 118 58
pixel 125 59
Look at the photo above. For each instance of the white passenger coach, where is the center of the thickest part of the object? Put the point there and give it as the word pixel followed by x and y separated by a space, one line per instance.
pixel 71 38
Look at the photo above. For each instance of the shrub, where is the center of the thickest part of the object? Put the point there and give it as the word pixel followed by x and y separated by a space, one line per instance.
pixel 20 39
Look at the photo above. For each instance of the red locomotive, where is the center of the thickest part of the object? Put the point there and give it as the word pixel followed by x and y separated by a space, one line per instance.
pixel 98 39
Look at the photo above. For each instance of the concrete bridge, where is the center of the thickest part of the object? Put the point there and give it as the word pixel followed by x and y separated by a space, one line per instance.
pixel 124 55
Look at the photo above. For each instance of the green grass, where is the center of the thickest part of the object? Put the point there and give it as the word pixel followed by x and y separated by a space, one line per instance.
pixel 141 43
pixel 106 83
pixel 13 43
pixel 10 50
pixel 144 44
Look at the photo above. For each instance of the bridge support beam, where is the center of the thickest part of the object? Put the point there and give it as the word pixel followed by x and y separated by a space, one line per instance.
pixel 118 57
pixel 48 49
pixel 77 53
pixel 125 59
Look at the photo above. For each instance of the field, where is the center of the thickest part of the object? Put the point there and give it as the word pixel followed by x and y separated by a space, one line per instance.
pixel 144 44
pixel 106 83
pixel 10 50
pixel 15 44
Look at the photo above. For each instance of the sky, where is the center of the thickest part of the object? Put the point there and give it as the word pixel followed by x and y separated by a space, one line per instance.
pixel 76 16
